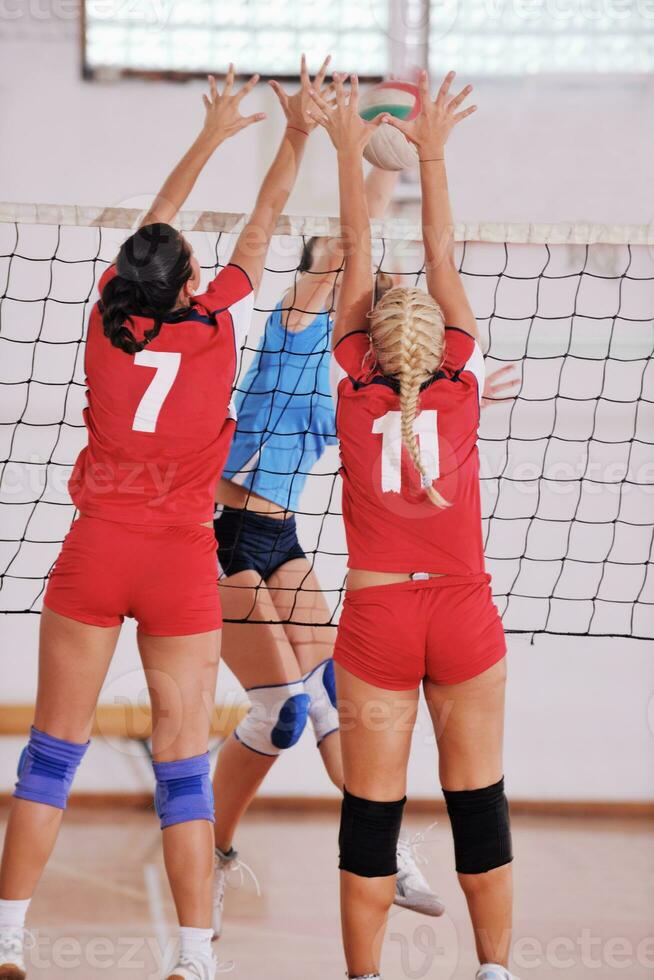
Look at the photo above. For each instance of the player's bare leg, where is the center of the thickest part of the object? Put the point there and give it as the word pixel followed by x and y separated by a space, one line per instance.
pixel 469 724
pixel 73 662
pixel 297 595
pixel 181 675
pixel 375 757
pixel 259 654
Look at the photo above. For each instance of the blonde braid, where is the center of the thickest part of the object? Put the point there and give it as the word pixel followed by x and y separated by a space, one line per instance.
pixel 408 338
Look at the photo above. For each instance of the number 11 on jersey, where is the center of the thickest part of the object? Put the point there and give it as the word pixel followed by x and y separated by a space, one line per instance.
pixel 389 426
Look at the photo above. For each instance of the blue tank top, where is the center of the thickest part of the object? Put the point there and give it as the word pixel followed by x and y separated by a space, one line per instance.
pixel 285 411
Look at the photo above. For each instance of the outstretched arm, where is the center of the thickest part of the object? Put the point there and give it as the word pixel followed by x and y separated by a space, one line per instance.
pixel 253 242
pixel 430 131
pixel 380 185
pixel 350 133
pixel 222 120
pixel 318 288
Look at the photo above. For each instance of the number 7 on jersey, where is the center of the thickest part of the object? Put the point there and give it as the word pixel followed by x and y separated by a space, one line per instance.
pixel 167 366
pixel 425 426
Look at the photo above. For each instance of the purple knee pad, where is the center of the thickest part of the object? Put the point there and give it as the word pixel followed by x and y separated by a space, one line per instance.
pixel 184 791
pixel 46 769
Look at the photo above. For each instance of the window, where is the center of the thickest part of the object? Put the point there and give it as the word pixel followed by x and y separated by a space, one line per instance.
pixel 518 37
pixel 375 37
pixel 264 36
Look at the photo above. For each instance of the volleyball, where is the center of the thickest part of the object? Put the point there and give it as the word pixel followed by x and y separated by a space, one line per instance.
pixel 389 149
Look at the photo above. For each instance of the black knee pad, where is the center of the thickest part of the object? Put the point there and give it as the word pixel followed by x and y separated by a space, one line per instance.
pixel 481 828
pixel 368 836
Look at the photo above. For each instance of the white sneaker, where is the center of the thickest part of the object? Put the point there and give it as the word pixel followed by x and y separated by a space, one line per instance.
pixel 492 971
pixel 12 958
pixel 225 866
pixel 412 890
pixel 196 968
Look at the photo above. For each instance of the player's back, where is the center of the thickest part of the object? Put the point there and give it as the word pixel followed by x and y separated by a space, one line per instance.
pixel 285 410
pixel 159 421
pixel 391 523
pixel 288 379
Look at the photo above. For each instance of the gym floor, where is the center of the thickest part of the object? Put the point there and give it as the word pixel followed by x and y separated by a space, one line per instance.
pixel 584 902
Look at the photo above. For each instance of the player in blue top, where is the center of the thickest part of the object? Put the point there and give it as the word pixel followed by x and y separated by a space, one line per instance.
pixel 284 407
pixel 285 423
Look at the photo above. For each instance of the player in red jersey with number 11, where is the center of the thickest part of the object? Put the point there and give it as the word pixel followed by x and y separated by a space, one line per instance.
pixel 418 608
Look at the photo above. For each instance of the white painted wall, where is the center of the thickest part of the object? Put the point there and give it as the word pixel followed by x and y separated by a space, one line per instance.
pixel 578 723
pixel 537 149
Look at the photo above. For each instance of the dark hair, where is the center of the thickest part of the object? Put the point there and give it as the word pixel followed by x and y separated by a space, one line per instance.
pixel 306 259
pixel 151 269
pixel 383 282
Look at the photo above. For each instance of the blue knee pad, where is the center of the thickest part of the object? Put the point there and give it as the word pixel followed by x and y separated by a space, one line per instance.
pixel 184 791
pixel 320 685
pixel 46 769
pixel 291 722
pixel 276 719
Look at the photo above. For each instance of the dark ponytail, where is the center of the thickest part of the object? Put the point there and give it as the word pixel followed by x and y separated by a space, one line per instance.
pixel 152 267
pixel 306 259
pixel 383 282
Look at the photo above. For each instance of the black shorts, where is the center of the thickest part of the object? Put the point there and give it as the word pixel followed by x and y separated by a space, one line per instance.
pixel 247 540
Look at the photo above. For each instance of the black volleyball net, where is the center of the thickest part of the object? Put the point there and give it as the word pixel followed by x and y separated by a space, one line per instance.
pixel 567 465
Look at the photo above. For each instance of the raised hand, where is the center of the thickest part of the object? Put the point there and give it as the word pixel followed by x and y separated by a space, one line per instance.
pixel 223 116
pixel 340 117
pixel 297 107
pixel 493 388
pixel 436 120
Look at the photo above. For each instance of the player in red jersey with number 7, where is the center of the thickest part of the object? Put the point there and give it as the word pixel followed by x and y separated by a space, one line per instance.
pixel 418 608
pixel 160 365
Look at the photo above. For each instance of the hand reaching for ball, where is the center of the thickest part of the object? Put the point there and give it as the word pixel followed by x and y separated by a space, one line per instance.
pixel 340 117
pixel 297 107
pixel 430 130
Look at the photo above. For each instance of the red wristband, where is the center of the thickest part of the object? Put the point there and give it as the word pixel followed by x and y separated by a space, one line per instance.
pixel 298 130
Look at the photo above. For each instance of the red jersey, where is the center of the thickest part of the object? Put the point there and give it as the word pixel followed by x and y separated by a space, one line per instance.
pixel 160 422
pixel 391 524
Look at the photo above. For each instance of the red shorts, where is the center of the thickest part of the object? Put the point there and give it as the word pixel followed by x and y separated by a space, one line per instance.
pixel 164 577
pixel 445 630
